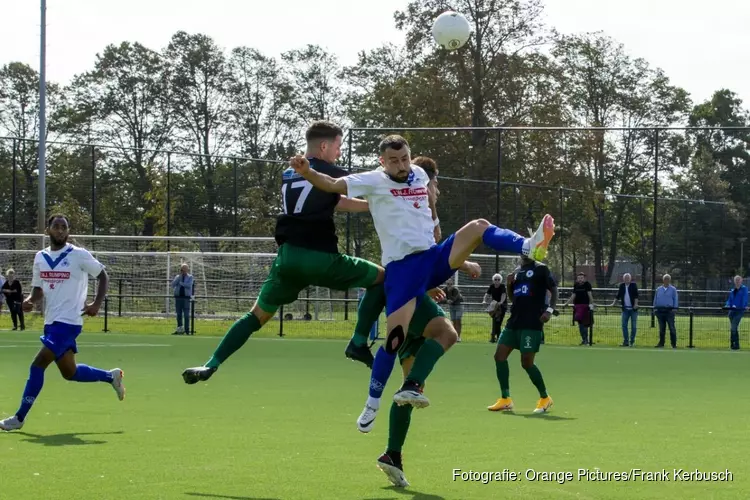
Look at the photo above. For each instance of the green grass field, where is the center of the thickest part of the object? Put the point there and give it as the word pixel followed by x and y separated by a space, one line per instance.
pixel 278 421
pixel 710 332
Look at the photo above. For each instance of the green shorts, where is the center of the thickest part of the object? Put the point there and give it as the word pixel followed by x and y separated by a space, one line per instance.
pixel 425 312
pixel 295 268
pixel 523 340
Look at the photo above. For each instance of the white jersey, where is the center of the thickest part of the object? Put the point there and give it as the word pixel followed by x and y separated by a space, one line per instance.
pixel 63 276
pixel 400 210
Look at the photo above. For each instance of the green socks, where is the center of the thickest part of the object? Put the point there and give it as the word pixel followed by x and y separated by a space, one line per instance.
pixel 399 426
pixel 370 307
pixel 536 378
pixel 427 356
pixel 234 339
pixel 503 376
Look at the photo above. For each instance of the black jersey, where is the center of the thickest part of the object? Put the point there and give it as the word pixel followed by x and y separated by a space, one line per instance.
pixel 307 220
pixel 581 292
pixel 496 292
pixel 529 289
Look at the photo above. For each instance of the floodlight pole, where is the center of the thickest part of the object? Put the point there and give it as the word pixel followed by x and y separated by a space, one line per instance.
pixel 42 120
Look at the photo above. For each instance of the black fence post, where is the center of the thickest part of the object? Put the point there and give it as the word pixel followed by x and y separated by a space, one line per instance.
pixel 281 321
pixel 192 316
pixel 106 312
pixel 169 194
pixel 562 243
pixel 656 202
pixel 119 298
pixel 690 345
pixel 591 328
pixel 14 194
pixel 497 190
pixel 348 226
pixel 234 166
pixel 93 190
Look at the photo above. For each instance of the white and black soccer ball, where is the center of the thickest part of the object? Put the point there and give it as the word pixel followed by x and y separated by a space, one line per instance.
pixel 451 30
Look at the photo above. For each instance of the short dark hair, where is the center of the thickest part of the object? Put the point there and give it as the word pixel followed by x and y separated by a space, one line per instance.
pixel 428 165
pixel 57 216
pixel 392 142
pixel 581 274
pixel 323 130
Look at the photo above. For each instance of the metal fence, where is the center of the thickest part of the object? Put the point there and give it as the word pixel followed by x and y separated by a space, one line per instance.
pixel 510 176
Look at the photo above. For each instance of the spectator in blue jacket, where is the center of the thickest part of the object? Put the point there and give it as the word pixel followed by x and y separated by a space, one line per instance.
pixel 182 286
pixel 665 304
pixel 736 303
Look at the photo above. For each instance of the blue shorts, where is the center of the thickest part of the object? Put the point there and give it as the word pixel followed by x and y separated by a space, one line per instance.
pixel 60 338
pixel 413 275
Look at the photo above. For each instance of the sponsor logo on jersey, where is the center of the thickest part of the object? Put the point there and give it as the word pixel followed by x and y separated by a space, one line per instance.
pixel 409 192
pixel 55 275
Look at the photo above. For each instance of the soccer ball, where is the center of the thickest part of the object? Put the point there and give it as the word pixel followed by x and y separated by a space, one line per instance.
pixel 451 30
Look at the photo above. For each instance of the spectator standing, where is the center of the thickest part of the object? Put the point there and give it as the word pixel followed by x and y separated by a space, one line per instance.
pixel 666 303
pixel 13 294
pixel 182 286
pixel 736 303
pixel 583 304
pixel 455 300
pixel 497 298
pixel 627 294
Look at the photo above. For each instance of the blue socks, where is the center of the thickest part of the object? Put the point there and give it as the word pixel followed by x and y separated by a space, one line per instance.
pixel 85 373
pixel 381 372
pixel 31 391
pixel 503 240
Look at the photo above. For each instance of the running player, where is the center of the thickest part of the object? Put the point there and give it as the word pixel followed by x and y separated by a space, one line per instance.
pixel 399 204
pixel 529 285
pixel 308 252
pixel 60 275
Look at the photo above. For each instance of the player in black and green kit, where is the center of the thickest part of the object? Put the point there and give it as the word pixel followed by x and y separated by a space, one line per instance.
pixel 429 329
pixel 528 285
pixel 308 252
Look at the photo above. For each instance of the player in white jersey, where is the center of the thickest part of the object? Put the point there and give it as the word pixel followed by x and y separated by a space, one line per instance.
pixel 61 273
pixel 402 213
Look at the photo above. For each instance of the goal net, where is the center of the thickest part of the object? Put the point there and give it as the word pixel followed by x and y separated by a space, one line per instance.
pixel 228 273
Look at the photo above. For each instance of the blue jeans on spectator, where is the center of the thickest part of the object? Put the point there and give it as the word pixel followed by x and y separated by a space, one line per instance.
pixel 734 321
pixel 630 315
pixel 666 317
pixel 182 309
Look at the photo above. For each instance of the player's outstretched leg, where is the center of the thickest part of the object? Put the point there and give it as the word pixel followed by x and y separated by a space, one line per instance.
pixel 369 310
pixel 440 336
pixel 390 462
pixel 33 387
pixel 235 338
pixel 400 419
pixel 504 403
pixel 545 402
pixel 468 238
pixel 382 367
pixel 74 372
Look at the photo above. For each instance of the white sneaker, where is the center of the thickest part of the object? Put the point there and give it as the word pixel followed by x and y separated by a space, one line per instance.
pixel 411 396
pixel 11 424
pixel 366 420
pixel 117 375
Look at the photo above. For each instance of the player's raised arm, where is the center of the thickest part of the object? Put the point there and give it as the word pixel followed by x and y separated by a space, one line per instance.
pixel 321 181
pixel 352 205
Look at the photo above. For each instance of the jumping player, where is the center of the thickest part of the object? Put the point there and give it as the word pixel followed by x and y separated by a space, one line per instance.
pixel 428 326
pixel 398 202
pixel 385 357
pixel 529 285
pixel 60 275
pixel 308 252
